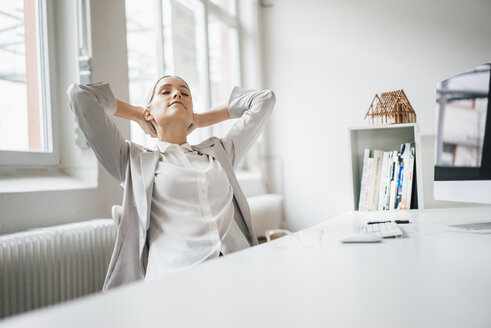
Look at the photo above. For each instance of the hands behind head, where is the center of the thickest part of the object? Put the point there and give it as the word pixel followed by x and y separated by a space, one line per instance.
pixel 191 128
pixel 195 124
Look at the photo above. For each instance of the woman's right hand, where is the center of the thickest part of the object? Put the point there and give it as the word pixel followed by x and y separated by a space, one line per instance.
pixel 135 113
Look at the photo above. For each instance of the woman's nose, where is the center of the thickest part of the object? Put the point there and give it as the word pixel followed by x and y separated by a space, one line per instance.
pixel 177 93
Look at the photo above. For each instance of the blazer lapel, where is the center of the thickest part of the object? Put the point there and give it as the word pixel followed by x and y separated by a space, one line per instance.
pixel 148 164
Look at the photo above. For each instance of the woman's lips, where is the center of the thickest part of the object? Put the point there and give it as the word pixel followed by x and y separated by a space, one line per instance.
pixel 178 102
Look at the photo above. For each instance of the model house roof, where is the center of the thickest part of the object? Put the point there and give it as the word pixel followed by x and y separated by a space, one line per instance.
pixel 391 107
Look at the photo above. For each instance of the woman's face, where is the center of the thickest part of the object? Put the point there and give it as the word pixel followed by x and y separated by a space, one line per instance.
pixel 172 101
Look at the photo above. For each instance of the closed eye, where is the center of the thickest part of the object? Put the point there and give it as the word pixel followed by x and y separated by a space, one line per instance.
pixel 167 92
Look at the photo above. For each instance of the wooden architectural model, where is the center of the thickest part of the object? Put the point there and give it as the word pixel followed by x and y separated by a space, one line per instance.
pixel 391 108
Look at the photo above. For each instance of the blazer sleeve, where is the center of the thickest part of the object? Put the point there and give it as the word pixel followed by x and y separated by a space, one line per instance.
pixel 91 104
pixel 253 108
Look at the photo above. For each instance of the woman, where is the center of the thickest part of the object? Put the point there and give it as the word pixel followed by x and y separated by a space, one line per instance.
pixel 182 204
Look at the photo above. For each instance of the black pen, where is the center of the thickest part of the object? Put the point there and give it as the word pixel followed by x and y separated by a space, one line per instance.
pixel 396 221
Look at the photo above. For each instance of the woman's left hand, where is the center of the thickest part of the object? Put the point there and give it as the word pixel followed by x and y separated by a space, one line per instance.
pixel 194 125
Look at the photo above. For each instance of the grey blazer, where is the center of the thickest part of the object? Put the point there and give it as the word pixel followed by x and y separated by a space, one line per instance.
pixel 134 166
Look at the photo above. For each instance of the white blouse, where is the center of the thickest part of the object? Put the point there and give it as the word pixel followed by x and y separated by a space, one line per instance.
pixel 192 214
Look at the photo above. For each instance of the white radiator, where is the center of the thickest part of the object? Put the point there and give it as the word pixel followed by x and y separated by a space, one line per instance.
pixel 49 265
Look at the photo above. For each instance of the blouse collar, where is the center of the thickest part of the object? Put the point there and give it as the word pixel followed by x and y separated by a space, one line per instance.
pixel 164 146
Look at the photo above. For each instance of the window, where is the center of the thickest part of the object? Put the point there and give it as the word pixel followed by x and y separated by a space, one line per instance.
pixel 25 118
pixel 223 56
pixel 143 41
pixel 197 40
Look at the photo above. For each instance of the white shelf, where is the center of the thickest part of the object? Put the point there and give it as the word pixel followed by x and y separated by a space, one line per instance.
pixel 384 137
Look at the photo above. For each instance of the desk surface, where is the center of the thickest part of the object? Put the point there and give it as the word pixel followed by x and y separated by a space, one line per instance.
pixel 431 278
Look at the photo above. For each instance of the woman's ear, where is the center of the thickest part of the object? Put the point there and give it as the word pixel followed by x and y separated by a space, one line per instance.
pixel 147 115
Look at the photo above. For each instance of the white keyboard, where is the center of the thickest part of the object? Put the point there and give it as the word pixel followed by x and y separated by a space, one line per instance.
pixel 387 229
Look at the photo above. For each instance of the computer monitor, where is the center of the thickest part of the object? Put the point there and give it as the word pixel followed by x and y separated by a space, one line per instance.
pixel 463 139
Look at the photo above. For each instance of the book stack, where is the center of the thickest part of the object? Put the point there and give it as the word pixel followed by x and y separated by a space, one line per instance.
pixel 387 179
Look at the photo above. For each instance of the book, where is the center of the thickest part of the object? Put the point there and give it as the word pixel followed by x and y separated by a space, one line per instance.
pixel 394 179
pixel 390 169
pixel 368 182
pixel 405 159
pixel 364 180
pixel 400 179
pixel 375 180
pixel 410 173
pixel 383 181
pixel 407 179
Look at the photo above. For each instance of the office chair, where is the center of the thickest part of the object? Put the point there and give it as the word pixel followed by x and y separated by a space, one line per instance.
pixel 116 212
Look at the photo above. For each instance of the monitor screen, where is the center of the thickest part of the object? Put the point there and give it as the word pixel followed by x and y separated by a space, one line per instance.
pixel 463 139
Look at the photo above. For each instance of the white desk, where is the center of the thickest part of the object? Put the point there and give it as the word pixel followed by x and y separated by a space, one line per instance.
pixel 432 278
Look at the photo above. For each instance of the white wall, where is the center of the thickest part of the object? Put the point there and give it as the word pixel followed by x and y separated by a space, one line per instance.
pixel 326 60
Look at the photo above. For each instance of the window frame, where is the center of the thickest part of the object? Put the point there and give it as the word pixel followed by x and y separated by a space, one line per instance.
pixel 11 159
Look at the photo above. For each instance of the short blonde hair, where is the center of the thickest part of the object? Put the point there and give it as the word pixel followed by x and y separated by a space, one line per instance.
pixel 152 91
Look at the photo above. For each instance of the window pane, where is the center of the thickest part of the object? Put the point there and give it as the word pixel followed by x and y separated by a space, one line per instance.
pixel 228 5
pixel 184 47
pixel 21 114
pixel 142 55
pixel 224 67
